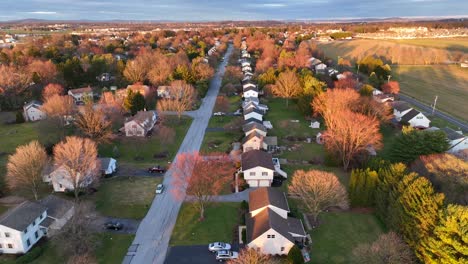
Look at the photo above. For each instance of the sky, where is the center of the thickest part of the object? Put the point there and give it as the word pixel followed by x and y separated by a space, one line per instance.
pixel 203 10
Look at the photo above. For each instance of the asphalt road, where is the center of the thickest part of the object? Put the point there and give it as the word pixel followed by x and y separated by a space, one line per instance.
pixel 198 254
pixel 428 109
pixel 152 238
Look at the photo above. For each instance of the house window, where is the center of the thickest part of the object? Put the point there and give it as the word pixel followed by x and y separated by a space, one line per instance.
pixel 28 242
pixel 60 185
pixel 34 222
pixel 264 173
pixel 252 173
pixel 26 230
pixel 7 234
pixel 36 234
pixel 10 245
pixel 270 236
pixel 282 248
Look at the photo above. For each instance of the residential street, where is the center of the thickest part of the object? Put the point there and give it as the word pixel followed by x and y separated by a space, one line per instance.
pixel 152 238
pixel 428 109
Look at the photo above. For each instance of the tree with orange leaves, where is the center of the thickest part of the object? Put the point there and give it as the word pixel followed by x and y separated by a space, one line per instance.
pixel 392 87
pixel 52 89
pixel 287 85
pixel 183 97
pixel 331 103
pixel 201 177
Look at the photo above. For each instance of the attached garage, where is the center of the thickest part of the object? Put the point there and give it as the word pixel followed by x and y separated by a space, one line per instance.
pixel 264 183
pixel 253 183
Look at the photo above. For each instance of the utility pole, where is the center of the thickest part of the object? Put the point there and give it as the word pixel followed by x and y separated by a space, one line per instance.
pixel 434 105
pixel 389 76
pixel 357 78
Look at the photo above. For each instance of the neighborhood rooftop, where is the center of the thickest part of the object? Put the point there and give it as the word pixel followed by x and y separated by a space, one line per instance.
pixel 262 197
pixel 56 207
pixel 22 215
pixel 254 158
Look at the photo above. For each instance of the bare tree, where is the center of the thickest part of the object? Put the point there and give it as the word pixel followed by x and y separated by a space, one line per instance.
pixel 25 166
pixel 318 191
pixel 78 157
pixel 52 89
pixel 43 71
pixel 61 107
pixel 387 249
pixel 207 177
pixel 94 124
pixel 287 85
pixel 183 97
pixel 253 256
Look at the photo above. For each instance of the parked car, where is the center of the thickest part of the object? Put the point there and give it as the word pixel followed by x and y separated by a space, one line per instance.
pixel 156 169
pixel 114 225
pixel 216 246
pixel 219 114
pixel 159 188
pixel 226 255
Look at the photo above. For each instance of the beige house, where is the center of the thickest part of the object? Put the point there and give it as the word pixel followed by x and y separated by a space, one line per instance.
pixel 253 141
pixel 32 111
pixel 80 94
pixel 140 124
pixel 62 181
pixel 257 167
pixel 269 228
pixel 254 128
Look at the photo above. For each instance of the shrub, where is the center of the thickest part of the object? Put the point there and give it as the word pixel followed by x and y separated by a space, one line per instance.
pixel 244 206
pixel 295 256
pixel 19 117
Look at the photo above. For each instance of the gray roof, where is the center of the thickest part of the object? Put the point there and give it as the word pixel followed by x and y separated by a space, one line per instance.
pixel 401 106
pixel 105 163
pixel 254 158
pixel 295 226
pixel 252 120
pixel 452 134
pixel 56 207
pixel 265 220
pixel 250 88
pixel 410 115
pixel 47 222
pixel 265 196
pixel 22 215
pixel 250 110
pixel 250 126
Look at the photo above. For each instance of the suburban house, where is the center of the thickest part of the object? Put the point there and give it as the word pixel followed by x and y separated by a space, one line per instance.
pixel 253 141
pixel 456 140
pixel 314 123
pixel 246 68
pixel 246 105
pixel 257 167
pixel 320 68
pixel 59 211
pixel 247 100
pixel 248 84
pixel 164 91
pixel 269 228
pixel 139 87
pixel 20 227
pixel 247 78
pixel 32 111
pixel 253 113
pixel 248 73
pixel 415 119
pixel 140 124
pixel 80 94
pixel 245 63
pixel 400 109
pixel 254 127
pixel 250 92
pixel 270 143
pixel 253 121
pixel 383 98
pixel 314 62
pixel 108 166
pixel 376 92
pixel 62 182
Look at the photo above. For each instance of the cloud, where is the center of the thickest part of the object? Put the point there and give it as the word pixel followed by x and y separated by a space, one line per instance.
pixel 42 12
pixel 274 5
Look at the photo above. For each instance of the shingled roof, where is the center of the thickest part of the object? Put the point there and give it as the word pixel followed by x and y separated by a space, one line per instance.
pixel 22 215
pixel 254 158
pixel 452 134
pixel 81 90
pixel 250 136
pixel 250 110
pixel 56 207
pixel 265 196
pixel 250 126
pixel 410 115
pixel 401 106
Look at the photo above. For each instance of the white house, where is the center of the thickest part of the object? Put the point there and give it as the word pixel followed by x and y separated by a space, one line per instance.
pixel 248 85
pixel 314 123
pixel 456 140
pixel 140 124
pixel 80 94
pixel 108 166
pixel 253 141
pixel 247 78
pixel 59 211
pixel 246 105
pixel 248 73
pixel 254 127
pixel 253 113
pixel 245 63
pixel 415 119
pixel 376 92
pixel 32 111
pixel 257 167
pixel 320 68
pixel 250 92
pixel 20 227
pixel 62 182
pixel 164 91
pixel 269 228
pixel 400 109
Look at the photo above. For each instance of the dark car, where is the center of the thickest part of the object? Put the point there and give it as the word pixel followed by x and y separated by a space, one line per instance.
pixel 156 169
pixel 114 225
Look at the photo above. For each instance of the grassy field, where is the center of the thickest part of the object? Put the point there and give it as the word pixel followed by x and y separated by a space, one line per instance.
pixel 453 44
pixel 406 52
pixel 425 82
pixel 219 141
pixel 140 151
pixel 339 233
pixel 126 197
pixel 221 219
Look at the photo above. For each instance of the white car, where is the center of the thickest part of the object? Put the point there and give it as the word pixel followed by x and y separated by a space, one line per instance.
pixel 159 188
pixel 217 246
pixel 226 255
pixel 219 114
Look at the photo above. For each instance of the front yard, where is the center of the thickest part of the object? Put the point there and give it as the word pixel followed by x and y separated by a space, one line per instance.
pixel 221 221
pixel 219 141
pixel 125 197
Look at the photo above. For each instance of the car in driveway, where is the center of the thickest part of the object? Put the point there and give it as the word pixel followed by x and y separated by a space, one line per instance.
pixel 216 246
pixel 219 114
pixel 226 255
pixel 156 169
pixel 113 225
pixel 159 188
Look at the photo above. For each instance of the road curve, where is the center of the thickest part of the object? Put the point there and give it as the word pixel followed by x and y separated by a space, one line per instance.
pixel 152 238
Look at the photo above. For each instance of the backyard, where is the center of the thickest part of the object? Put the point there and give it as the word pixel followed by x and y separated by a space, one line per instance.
pixel 221 220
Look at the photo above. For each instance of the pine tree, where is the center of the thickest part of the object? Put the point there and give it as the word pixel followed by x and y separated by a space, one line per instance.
pixel 362 187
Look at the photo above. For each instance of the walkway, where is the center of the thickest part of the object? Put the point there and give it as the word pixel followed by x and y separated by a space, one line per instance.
pixel 233 197
pixel 152 238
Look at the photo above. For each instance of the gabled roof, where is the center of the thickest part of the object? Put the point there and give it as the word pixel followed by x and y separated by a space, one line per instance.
pixel 252 120
pixel 252 110
pixel 56 207
pixel 251 99
pixel 452 134
pixel 250 136
pixel 250 126
pixel 33 103
pixel 142 117
pixel 81 90
pixel 265 196
pixel 255 158
pixel 22 215
pixel 401 106
pixel 265 220
pixel 250 88
pixel 410 115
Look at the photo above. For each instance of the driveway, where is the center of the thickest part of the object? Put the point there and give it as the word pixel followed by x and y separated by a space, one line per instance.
pixel 133 171
pixel 152 238
pixel 233 197
pixel 192 255
pixel 130 226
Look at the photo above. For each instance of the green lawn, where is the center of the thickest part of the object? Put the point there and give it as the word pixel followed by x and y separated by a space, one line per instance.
pixel 219 141
pixel 140 151
pixel 111 248
pixel 339 233
pixel 220 121
pixel 126 197
pixel 221 220
pixel 343 176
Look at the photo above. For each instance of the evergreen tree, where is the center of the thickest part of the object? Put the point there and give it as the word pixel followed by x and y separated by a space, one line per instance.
pixel 139 103
pixel 362 187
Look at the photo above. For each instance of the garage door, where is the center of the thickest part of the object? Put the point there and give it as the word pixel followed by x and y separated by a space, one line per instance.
pixel 264 183
pixel 253 183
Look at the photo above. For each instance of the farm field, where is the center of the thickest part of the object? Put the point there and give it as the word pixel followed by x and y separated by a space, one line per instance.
pixel 452 44
pixel 449 82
